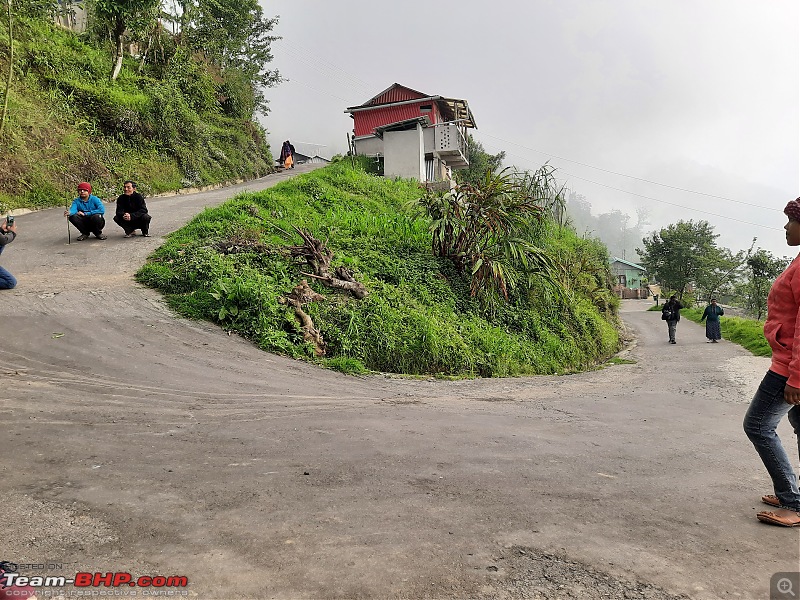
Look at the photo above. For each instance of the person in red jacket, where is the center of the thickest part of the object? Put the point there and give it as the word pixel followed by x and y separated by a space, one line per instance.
pixel 779 392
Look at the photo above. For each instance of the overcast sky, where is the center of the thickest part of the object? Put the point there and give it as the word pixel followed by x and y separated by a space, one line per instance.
pixel 619 95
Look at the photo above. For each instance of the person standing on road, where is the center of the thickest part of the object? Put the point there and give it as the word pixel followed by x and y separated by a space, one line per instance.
pixel 131 211
pixel 779 391
pixel 86 213
pixel 671 313
pixel 8 233
pixel 711 316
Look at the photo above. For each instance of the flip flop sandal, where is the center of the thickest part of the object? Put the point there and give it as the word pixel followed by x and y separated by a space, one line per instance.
pixel 771 499
pixel 780 516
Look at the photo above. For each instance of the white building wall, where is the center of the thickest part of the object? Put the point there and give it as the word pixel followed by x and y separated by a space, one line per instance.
pixel 430 139
pixel 404 154
pixel 369 145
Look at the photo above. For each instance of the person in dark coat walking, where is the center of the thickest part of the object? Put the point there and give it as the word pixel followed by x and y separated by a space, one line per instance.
pixel 671 313
pixel 132 211
pixel 711 316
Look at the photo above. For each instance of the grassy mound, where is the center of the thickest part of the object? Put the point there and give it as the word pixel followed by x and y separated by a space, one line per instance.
pixel 227 266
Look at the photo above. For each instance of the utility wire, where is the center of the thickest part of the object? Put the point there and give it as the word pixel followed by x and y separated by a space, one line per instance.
pixel 666 185
pixel 704 212
pixel 302 54
pixel 325 93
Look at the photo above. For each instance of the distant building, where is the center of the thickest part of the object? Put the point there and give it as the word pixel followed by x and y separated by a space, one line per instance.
pixel 414 135
pixel 629 279
pixel 71 14
pixel 301 158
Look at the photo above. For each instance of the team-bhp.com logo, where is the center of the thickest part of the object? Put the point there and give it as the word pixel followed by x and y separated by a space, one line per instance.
pixel 10 579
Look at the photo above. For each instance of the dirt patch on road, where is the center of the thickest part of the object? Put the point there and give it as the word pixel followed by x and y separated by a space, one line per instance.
pixel 529 573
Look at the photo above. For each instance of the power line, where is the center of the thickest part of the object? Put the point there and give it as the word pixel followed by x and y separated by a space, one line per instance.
pixel 303 54
pixel 666 185
pixel 697 210
pixel 705 212
pixel 293 80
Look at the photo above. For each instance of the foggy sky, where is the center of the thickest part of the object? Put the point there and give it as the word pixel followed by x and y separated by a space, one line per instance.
pixel 702 95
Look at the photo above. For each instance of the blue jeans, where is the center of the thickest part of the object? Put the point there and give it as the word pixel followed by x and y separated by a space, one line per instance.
pixel 765 412
pixel 7 280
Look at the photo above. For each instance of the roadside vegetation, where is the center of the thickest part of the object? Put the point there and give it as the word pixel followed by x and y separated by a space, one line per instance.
pixel 168 100
pixel 446 294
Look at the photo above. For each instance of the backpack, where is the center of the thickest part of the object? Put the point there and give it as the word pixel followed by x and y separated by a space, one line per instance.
pixel 666 314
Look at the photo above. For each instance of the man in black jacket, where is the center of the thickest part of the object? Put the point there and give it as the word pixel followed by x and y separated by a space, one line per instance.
pixel 671 313
pixel 132 211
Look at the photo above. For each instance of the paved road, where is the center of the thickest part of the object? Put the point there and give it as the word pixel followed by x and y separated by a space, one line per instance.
pixel 131 440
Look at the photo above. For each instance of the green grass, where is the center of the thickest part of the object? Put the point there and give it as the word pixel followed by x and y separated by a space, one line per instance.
pixel 614 360
pixel 747 333
pixel 418 318
pixel 67 122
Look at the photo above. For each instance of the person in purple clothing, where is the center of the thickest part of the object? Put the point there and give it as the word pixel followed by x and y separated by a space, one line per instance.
pixel 86 213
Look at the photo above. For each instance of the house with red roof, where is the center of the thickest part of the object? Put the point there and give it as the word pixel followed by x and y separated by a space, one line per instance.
pixel 413 134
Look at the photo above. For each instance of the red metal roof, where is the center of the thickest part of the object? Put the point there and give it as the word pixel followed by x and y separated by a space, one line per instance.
pixel 394 93
pixel 397 103
pixel 366 121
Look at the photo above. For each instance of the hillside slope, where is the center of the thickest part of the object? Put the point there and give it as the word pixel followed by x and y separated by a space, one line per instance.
pixel 68 122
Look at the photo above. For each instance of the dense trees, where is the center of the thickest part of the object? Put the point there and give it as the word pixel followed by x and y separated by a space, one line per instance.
pixel 679 254
pixel 231 39
pixel 120 16
pixel 236 38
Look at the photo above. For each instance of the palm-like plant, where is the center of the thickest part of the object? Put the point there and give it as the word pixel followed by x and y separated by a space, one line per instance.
pixel 488 228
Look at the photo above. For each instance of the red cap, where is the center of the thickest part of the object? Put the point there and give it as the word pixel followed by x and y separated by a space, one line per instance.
pixel 85 186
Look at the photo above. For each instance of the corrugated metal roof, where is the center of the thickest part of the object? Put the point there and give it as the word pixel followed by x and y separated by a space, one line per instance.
pixel 394 93
pixel 453 109
pixel 627 262
pixel 366 121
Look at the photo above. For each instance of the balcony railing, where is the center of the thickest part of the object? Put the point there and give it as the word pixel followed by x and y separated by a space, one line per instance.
pixel 450 144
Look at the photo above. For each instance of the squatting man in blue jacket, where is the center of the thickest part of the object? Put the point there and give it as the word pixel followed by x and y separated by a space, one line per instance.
pixel 86 213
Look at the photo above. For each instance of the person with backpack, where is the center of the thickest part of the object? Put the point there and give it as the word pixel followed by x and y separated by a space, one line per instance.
pixel 671 313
